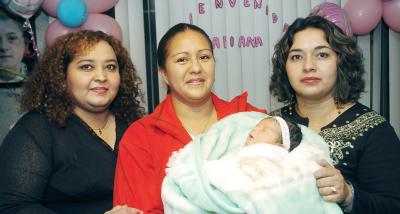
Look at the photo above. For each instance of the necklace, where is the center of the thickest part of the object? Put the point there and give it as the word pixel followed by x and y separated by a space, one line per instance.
pixel 206 125
pixel 100 130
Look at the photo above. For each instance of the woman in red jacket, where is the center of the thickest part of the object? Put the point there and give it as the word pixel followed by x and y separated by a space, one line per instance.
pixel 186 63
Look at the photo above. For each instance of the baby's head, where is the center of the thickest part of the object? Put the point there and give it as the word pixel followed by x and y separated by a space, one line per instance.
pixel 276 131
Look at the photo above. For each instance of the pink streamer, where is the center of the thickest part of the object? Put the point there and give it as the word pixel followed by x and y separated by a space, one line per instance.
pixel 27 25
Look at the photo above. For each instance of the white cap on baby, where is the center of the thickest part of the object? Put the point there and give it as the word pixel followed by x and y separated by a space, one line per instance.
pixel 285 132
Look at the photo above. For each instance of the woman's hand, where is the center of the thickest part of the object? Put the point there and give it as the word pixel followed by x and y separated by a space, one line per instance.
pixel 124 210
pixel 331 184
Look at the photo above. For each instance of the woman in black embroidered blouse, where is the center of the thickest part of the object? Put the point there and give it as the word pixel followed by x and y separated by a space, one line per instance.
pixel 60 156
pixel 318 70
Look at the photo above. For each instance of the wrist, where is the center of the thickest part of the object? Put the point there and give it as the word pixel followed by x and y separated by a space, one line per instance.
pixel 350 194
pixel 347 204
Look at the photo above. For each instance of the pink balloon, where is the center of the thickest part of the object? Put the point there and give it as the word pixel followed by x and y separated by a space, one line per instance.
pixel 99 6
pixel 364 15
pixel 103 23
pixel 94 6
pixel 50 7
pixel 335 14
pixel 55 30
pixel 391 14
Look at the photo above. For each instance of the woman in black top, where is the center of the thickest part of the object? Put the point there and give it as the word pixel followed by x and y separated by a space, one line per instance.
pixel 60 156
pixel 318 72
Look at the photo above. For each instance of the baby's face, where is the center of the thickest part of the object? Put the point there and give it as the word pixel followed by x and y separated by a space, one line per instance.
pixel 266 131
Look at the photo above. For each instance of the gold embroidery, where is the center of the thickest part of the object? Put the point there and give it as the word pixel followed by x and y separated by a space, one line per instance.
pixel 339 139
pixel 276 113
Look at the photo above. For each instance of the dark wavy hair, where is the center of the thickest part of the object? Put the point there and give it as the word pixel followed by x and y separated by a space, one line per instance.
pixel 46 89
pixel 162 50
pixel 295 134
pixel 350 67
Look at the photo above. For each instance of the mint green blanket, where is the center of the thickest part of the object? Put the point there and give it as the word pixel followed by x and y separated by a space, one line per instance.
pixel 216 173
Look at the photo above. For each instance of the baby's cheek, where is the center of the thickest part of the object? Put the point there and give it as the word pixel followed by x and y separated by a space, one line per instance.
pixel 249 141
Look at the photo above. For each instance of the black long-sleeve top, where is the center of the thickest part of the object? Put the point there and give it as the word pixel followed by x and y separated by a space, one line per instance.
pixel 366 149
pixel 45 168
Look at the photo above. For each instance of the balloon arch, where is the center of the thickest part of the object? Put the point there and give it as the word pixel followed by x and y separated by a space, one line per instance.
pixel 365 15
pixel 357 16
pixel 70 16
pixel 75 15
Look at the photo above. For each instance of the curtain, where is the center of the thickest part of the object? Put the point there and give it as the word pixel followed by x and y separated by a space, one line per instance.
pixel 244 33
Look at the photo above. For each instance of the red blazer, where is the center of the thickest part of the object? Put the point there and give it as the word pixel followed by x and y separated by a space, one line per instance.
pixel 146 146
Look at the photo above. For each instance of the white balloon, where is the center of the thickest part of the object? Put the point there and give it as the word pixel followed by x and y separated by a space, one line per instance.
pixel 4 2
pixel 23 8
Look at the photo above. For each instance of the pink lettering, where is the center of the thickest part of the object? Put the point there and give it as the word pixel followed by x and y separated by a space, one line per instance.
pixel 242 41
pixel 258 41
pixel 257 4
pixel 232 3
pixel 201 8
pixel 285 27
pixel 219 3
pixel 274 18
pixel 266 10
pixel 246 3
pixel 228 41
pixel 224 41
pixel 215 42
pixel 250 41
